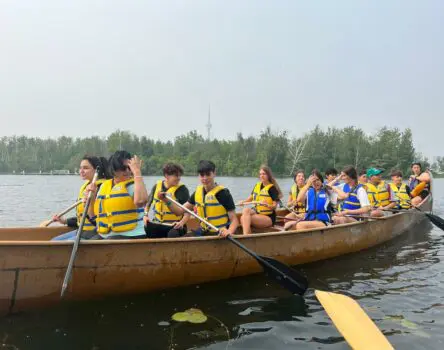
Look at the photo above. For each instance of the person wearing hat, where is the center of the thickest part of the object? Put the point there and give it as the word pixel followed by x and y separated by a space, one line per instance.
pixel 379 193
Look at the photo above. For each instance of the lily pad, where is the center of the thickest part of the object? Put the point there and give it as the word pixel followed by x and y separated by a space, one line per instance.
pixel 180 317
pixel 191 315
pixel 197 318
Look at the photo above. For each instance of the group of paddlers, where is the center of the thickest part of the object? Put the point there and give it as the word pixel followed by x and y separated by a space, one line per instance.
pixel 121 208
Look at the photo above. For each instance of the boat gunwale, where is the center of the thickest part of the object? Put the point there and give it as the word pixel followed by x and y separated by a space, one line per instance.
pixel 306 232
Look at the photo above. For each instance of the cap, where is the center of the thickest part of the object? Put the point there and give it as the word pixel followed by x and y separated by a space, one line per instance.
pixel 373 172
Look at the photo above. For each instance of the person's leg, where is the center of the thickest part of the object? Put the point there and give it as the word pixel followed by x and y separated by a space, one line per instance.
pixel 261 221
pixel 305 225
pixel 245 220
pixel 377 213
pixel 416 201
pixel 125 237
pixel 338 220
pixel 154 230
pixel 175 233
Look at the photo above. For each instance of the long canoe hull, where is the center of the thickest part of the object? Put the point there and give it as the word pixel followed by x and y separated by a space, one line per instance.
pixel 32 268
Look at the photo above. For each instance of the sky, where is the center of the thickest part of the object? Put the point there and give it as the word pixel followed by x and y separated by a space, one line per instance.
pixel 85 67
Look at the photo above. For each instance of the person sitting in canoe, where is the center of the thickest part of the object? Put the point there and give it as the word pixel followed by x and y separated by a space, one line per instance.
pixel 379 193
pixel 88 166
pixel 165 215
pixel 318 206
pixel 331 175
pixel 362 179
pixel 298 207
pixel 400 190
pixel 267 193
pixel 354 197
pixel 120 201
pixel 419 184
pixel 212 202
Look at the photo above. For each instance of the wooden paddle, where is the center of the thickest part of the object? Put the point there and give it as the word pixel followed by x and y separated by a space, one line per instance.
pixel 352 322
pixel 247 203
pixel 46 223
pixel 283 274
pixel 75 247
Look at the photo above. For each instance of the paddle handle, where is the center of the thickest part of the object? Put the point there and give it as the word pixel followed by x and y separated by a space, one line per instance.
pixel 67 210
pixel 69 269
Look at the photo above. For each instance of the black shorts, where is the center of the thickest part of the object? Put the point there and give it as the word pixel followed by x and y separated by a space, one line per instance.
pixel 155 230
pixel 424 193
pixel 272 216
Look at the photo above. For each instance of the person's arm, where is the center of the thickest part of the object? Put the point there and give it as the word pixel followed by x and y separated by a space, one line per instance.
pixel 186 216
pixel 392 199
pixel 182 196
pixel 274 195
pixel 140 193
pixel 363 201
pixel 248 200
pixel 234 224
pixel 339 190
pixel 224 197
pixel 303 192
pixel 409 191
pixel 290 201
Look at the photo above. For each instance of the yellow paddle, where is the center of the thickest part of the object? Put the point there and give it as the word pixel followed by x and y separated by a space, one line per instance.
pixel 46 223
pixel 352 322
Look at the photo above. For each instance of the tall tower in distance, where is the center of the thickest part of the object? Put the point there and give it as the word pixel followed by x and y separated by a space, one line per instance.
pixel 209 124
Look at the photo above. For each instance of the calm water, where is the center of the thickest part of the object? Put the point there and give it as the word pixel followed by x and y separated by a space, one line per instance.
pixel 400 284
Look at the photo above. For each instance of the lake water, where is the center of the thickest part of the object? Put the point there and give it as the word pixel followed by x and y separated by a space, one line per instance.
pixel 400 285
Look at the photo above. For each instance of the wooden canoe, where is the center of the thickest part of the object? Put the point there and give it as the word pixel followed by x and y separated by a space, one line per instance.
pixel 32 268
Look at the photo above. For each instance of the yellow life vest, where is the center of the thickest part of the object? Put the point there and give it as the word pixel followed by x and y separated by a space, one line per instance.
pixel 161 211
pixel 87 226
pixel 260 195
pixel 115 208
pixel 419 188
pixel 378 195
pixel 209 208
pixel 299 207
pixel 401 195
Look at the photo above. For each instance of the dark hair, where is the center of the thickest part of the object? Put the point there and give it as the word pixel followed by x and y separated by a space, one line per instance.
pixel 350 172
pixel 318 174
pixel 299 171
pixel 116 161
pixel 205 167
pixel 172 169
pixel 396 173
pixel 416 163
pixel 101 163
pixel 331 171
pixel 363 172
pixel 271 178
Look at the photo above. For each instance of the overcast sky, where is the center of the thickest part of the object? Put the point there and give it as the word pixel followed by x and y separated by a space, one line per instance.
pixel 88 67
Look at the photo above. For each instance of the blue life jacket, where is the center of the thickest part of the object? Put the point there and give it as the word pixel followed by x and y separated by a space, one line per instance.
pixel 352 202
pixel 317 206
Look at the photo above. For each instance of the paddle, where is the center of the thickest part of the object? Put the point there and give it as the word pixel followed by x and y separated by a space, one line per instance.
pixel 352 322
pixel 247 203
pixel 287 208
pixel 283 274
pixel 435 219
pixel 75 247
pixel 46 223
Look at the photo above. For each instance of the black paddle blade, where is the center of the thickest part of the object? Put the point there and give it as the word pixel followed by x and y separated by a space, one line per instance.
pixel 283 274
pixel 438 221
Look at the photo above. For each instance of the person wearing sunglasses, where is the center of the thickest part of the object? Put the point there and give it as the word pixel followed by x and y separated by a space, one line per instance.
pixel 119 203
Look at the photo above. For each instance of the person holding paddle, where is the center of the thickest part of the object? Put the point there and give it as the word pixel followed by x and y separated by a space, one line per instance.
pixel 354 196
pixel 88 166
pixel 379 193
pixel 166 215
pixel 267 193
pixel 212 202
pixel 120 201
pixel 419 184
pixel 298 207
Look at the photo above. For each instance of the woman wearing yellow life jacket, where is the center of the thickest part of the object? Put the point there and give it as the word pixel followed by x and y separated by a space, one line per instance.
pixel 298 207
pixel 379 193
pixel 212 202
pixel 268 193
pixel 165 215
pixel 118 204
pixel 419 184
pixel 400 191
pixel 88 166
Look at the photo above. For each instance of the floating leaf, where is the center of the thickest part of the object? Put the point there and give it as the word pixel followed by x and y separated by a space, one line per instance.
pixel 197 318
pixel 409 324
pixel 180 317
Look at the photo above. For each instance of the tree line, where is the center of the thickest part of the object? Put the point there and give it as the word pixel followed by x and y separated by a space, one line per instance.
pixel 388 148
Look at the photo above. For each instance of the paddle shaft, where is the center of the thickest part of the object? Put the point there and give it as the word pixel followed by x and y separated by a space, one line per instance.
pixel 232 240
pixel 75 247
pixel 67 210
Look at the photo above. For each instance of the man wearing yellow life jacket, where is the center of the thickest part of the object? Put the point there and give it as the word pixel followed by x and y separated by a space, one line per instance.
pixel 379 193
pixel 292 203
pixel 267 194
pixel 419 184
pixel 400 191
pixel 118 204
pixel 88 166
pixel 165 215
pixel 212 202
